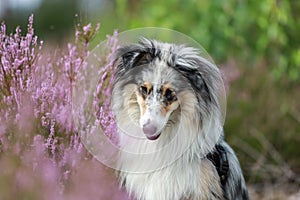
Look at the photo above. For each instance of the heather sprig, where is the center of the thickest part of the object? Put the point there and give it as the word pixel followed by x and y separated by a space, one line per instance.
pixel 85 34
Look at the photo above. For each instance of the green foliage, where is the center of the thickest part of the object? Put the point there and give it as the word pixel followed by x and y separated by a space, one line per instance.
pixel 252 31
pixel 56 19
pixel 262 120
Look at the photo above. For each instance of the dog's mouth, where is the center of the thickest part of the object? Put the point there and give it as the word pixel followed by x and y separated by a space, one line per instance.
pixel 153 137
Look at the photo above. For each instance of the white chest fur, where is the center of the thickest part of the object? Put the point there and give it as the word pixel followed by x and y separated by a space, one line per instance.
pixel 178 181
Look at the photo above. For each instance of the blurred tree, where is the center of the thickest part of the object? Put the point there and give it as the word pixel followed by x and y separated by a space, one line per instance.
pixel 255 31
pixel 56 18
pixel 53 18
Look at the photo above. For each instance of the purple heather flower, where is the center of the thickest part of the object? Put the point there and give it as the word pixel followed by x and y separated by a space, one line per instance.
pixel 36 128
pixel 87 29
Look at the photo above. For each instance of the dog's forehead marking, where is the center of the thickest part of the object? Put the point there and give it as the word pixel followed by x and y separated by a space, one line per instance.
pixel 158 69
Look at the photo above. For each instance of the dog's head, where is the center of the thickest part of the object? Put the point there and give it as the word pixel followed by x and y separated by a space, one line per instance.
pixel 160 82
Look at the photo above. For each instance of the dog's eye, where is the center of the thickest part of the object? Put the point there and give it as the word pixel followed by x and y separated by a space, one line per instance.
pixel 143 90
pixel 170 95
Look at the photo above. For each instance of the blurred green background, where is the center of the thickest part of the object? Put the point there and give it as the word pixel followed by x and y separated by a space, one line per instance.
pixel 256 43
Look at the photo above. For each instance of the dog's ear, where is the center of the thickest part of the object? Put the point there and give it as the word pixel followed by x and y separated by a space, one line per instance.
pixel 132 56
pixel 136 58
pixel 196 79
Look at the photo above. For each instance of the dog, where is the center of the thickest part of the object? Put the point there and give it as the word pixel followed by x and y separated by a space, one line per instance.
pixel 166 103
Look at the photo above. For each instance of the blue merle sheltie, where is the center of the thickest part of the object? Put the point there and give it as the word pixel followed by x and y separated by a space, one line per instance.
pixel 166 101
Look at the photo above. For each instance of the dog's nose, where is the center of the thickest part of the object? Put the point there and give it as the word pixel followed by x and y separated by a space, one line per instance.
pixel 150 131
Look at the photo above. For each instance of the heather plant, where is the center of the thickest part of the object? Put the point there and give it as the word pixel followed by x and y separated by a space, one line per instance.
pixel 102 96
pixel 41 154
pixel 18 61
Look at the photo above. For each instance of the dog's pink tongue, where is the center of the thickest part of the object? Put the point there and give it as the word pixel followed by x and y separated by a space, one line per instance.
pixel 150 131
